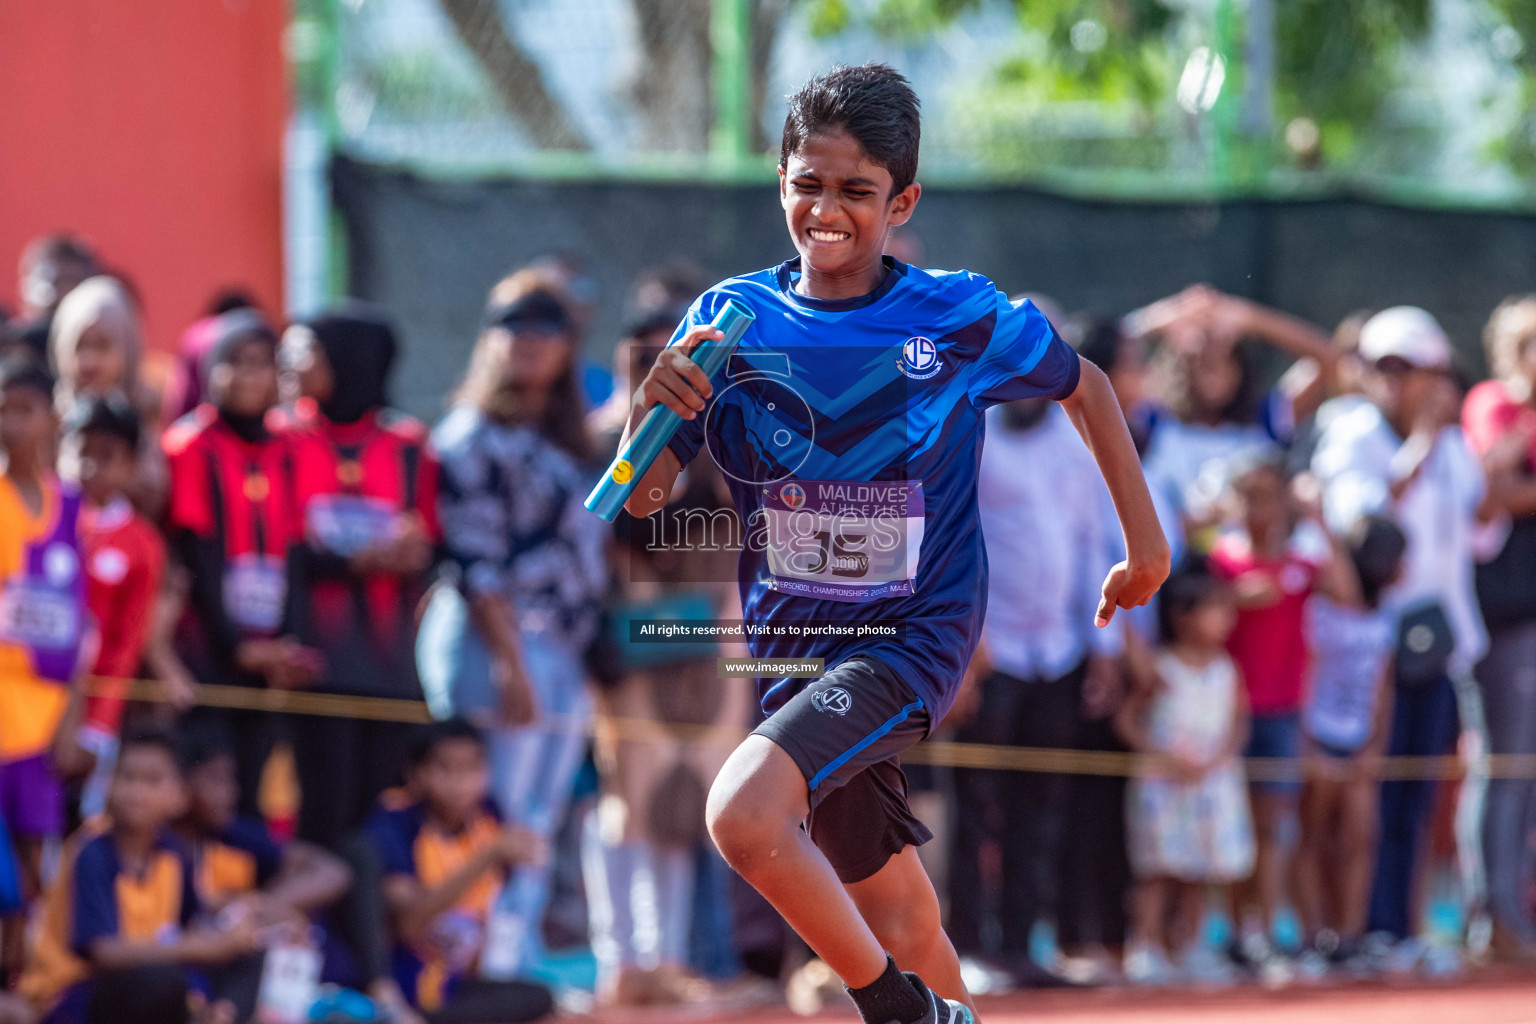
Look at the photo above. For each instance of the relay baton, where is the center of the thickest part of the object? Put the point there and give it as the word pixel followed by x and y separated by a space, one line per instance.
pixel 623 476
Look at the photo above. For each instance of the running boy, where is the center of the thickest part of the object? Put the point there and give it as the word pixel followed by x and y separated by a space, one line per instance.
pixel 850 438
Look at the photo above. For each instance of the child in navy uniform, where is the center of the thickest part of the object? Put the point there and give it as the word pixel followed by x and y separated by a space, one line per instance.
pixel 849 426
pixel 117 942
pixel 445 859
pixel 235 859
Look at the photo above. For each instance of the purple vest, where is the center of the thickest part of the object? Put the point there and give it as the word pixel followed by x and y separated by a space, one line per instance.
pixel 43 608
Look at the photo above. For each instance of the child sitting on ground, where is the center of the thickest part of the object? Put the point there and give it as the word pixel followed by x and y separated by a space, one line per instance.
pixel 446 858
pixel 1347 721
pixel 235 860
pixel 1187 810
pixel 117 944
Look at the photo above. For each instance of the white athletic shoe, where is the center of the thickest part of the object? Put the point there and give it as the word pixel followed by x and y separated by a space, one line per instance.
pixel 1204 968
pixel 940 1011
pixel 1149 968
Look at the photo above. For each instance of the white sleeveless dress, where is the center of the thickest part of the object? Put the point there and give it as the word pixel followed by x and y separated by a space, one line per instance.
pixel 1197 831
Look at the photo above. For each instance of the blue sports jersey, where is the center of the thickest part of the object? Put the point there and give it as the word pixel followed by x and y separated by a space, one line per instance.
pixel 850 433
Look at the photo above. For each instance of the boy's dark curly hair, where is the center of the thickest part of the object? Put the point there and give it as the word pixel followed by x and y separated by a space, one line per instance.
pixel 874 103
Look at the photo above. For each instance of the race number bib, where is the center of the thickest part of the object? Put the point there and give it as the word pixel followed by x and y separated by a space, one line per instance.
pixel 838 540
pixel 346 524
pixel 290 981
pixel 255 588
pixel 457 938
pixel 38 615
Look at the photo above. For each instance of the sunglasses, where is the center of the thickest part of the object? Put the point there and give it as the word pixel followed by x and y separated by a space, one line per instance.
pixel 534 330
pixel 1397 366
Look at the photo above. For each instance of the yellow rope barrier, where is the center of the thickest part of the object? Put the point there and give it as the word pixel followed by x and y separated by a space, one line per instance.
pixel 939 753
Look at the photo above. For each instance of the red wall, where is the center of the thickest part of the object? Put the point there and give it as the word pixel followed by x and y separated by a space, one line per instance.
pixel 154 129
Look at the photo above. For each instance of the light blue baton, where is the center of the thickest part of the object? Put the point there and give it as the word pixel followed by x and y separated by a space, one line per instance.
pixel 623 476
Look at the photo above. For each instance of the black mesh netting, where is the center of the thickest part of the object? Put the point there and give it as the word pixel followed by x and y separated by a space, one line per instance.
pixel 428 250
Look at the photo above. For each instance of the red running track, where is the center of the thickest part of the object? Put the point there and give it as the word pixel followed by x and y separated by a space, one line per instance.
pixel 1510 1001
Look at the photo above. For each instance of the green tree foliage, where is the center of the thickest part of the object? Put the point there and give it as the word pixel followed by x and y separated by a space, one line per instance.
pixel 1336 62
pixel 1514 42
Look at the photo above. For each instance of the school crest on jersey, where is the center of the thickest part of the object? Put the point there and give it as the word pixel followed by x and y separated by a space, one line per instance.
pixel 919 358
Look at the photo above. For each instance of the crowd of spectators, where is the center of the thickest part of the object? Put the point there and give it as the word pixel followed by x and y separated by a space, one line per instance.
pixel 1356 578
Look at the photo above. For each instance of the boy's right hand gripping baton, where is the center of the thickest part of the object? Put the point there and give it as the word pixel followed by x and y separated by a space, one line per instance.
pixel 624 475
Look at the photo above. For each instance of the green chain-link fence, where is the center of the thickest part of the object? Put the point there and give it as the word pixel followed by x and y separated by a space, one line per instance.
pixel 1420 100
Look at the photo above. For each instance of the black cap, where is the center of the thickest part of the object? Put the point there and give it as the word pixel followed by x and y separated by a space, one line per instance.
pixel 535 310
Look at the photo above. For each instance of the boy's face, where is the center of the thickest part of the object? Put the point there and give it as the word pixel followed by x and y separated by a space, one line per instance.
pixel 246 385
pixel 454 779
pixel 147 790
pixel 213 792
pixel 107 465
pixel 26 422
pixel 838 204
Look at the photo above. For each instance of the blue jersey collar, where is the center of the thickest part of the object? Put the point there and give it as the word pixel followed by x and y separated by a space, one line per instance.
pixel 789 271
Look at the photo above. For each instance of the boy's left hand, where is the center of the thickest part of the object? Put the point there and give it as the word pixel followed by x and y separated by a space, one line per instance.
pixel 1130 585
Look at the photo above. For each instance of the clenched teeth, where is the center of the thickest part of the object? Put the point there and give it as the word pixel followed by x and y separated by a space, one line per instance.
pixel 818 235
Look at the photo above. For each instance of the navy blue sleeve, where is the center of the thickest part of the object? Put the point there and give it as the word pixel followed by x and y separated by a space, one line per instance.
pixel 393 836
pixel 94 896
pixel 252 836
pixel 1024 358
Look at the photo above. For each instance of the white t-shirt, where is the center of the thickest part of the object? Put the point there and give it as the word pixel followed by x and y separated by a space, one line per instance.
pixel 1350 647
pixel 1186 462
pixel 1051 537
pixel 1358 458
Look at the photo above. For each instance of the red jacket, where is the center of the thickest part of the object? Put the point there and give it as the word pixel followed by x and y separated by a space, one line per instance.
pixel 232 520
pixel 124 563
pixel 355 482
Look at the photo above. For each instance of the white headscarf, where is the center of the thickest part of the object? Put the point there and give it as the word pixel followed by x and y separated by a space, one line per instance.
pixel 104 303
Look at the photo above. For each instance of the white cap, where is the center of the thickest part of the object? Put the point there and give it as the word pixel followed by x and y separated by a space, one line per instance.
pixel 1409 333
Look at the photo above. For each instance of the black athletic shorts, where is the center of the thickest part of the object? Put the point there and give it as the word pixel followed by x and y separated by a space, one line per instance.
pixel 846 732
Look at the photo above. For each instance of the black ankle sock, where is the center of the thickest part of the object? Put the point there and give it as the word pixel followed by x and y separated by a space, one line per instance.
pixel 889 998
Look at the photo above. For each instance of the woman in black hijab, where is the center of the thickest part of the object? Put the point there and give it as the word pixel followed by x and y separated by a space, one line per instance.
pixel 366 486
pixel 366 493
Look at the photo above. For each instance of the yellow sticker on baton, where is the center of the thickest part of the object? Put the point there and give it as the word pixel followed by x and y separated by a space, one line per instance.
pixel 622 471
